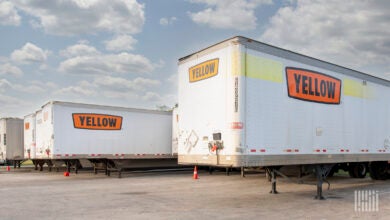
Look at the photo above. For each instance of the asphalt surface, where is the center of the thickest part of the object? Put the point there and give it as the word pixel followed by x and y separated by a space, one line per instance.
pixel 29 194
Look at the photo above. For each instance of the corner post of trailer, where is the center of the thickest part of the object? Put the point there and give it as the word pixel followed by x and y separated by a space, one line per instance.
pixel 238 71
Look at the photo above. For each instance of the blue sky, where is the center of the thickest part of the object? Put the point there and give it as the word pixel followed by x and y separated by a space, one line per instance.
pixel 125 52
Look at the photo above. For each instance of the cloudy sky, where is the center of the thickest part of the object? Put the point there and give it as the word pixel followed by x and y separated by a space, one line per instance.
pixel 125 52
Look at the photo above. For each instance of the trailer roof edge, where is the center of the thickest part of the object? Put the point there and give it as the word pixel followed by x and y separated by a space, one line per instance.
pixel 287 54
pixel 118 108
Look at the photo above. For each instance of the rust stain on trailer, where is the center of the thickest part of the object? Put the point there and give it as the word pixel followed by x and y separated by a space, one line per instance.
pixel 313 86
pixel 97 121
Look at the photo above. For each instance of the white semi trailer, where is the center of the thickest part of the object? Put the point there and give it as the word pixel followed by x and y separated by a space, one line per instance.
pixel 29 136
pixel 112 137
pixel 11 141
pixel 244 103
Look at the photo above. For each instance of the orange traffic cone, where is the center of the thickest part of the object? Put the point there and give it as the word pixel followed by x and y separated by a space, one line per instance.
pixel 8 168
pixel 195 173
pixel 66 173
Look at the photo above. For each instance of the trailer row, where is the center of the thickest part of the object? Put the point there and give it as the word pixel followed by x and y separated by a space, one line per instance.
pixel 242 103
pixel 109 137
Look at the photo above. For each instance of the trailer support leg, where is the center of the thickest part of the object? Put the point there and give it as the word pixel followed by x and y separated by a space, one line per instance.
pixel 242 172
pixel 68 166
pixel 76 167
pixel 211 169
pixel 322 171
pixel 271 171
pixel 227 171
pixel 41 163
pixel 120 173
pixel 50 165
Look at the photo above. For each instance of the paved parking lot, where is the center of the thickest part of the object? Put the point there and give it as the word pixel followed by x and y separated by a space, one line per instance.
pixel 28 194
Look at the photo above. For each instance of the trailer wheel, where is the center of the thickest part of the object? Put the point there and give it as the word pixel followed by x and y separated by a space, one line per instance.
pixel 360 170
pixel 378 170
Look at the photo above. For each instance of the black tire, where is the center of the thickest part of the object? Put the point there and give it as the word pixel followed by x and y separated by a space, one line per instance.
pixel 360 170
pixel 379 170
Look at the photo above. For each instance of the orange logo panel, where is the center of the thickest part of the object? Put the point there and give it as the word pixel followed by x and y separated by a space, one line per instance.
pixel 97 121
pixel 313 86
pixel 204 70
pixel 26 126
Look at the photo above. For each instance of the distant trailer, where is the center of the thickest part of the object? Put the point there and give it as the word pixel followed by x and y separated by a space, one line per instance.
pixel 11 141
pixel 112 138
pixel 29 136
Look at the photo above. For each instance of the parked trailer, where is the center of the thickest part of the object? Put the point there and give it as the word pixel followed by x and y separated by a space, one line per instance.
pixel 29 136
pixel 244 103
pixel 112 138
pixel 11 141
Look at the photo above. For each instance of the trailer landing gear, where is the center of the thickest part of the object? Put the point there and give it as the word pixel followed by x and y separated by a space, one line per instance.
pixel 322 171
pixel 271 171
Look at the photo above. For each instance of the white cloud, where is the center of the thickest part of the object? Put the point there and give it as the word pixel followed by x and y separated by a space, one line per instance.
pixel 151 97
pixel 13 106
pixel 81 89
pixel 167 21
pixel 5 85
pixel 173 79
pixel 35 87
pixel 121 43
pixel 107 64
pixel 8 14
pixel 9 100
pixel 9 69
pixel 349 33
pixel 81 49
pixel 111 88
pixel 76 91
pixel 29 53
pixel 228 14
pixel 125 85
pixel 31 89
pixel 119 95
pixel 85 17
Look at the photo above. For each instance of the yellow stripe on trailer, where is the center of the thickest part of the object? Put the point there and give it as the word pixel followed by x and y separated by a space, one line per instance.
pixel 357 89
pixel 264 69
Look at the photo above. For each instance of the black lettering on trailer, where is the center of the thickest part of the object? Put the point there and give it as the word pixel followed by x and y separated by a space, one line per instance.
pixel 112 122
pixel 297 78
pixel 82 120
